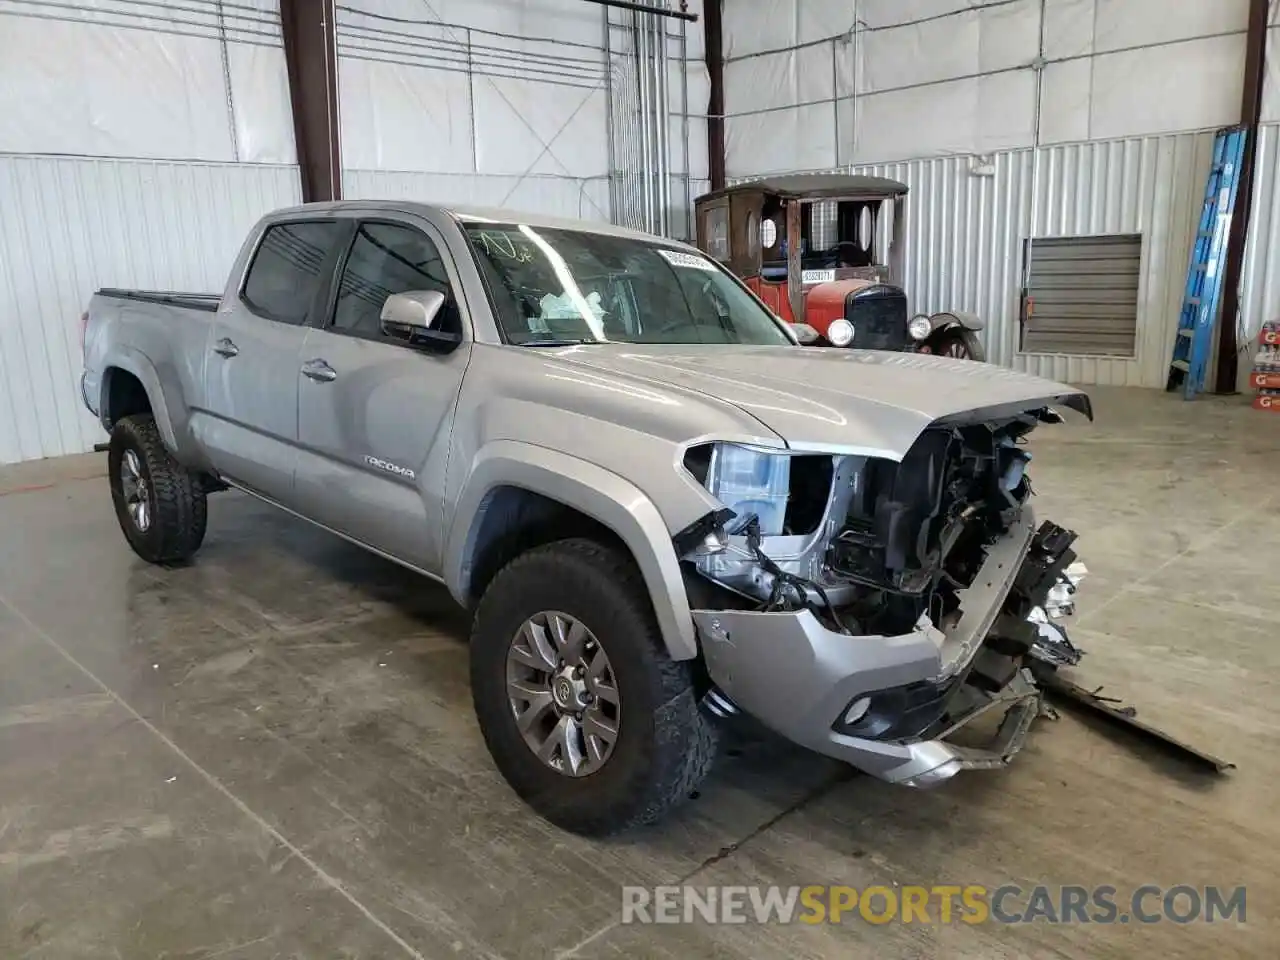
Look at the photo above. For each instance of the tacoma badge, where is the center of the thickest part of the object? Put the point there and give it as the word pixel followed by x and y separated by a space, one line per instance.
pixel 390 467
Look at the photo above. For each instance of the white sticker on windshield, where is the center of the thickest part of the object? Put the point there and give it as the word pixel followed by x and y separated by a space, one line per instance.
pixel 678 258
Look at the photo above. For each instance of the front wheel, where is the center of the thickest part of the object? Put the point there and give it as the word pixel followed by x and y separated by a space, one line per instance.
pixel 587 718
pixel 954 342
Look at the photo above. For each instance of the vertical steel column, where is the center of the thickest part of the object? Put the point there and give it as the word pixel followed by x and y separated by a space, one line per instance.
pixel 712 25
pixel 610 135
pixel 1255 57
pixel 684 130
pixel 641 26
pixel 662 121
pixel 795 276
pixel 311 58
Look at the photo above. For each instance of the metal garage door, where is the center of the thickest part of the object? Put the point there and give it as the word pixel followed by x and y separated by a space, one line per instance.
pixel 1082 295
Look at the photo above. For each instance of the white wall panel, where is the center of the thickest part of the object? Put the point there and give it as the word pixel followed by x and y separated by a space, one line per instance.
pixel 460 86
pixel 919 78
pixel 782 79
pixel 199 80
pixel 978 115
pixel 528 127
pixel 753 26
pixel 585 199
pixel 1069 28
pixel 1120 24
pixel 1271 80
pixel 1190 85
pixel 798 138
pixel 71 226
pixel 399 117
pixel 260 96
pixel 88 89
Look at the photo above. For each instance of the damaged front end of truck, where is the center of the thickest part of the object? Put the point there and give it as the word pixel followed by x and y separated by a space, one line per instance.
pixel 884 612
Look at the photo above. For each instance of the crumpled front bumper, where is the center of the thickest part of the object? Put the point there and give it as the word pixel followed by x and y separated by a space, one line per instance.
pixel 799 678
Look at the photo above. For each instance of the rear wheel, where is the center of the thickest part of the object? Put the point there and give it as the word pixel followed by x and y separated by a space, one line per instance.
pixel 160 505
pixel 587 718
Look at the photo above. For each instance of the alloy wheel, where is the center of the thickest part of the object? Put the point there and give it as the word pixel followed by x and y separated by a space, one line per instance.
pixel 136 491
pixel 563 693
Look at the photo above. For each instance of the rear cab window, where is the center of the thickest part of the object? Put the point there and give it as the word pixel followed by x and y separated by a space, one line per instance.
pixel 288 267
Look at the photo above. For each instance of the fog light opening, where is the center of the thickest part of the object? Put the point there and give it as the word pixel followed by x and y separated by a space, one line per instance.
pixel 857 710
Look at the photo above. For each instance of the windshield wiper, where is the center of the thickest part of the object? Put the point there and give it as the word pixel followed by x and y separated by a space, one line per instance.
pixel 553 342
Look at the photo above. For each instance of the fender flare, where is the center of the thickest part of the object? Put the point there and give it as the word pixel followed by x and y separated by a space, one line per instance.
pixel 135 362
pixel 596 492
pixel 953 318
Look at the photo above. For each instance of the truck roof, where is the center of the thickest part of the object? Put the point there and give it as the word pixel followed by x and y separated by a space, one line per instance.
pixel 470 214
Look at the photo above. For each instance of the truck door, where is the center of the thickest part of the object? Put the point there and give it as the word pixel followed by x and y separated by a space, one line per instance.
pixel 374 413
pixel 250 424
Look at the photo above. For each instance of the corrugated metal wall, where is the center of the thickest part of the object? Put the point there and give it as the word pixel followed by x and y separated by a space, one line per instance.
pixel 70 226
pixel 965 231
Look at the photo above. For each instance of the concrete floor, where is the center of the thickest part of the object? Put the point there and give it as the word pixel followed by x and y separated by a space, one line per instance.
pixel 271 752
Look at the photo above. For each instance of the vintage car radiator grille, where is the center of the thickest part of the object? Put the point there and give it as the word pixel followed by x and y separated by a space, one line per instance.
pixel 879 318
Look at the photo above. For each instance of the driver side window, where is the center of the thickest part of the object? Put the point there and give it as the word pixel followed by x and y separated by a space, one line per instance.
pixel 388 258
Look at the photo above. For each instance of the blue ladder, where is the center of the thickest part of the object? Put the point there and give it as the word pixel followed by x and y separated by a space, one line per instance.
pixel 1194 341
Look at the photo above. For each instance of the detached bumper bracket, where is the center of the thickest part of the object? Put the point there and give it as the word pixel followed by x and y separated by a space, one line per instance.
pixel 1074 696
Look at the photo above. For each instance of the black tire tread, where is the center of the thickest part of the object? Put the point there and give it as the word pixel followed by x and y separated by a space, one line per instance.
pixel 181 507
pixel 686 740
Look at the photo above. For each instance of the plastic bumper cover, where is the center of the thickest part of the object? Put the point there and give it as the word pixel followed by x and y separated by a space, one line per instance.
pixel 797 677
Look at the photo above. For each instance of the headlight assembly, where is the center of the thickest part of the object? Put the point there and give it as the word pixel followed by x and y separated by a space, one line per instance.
pixel 747 480
pixel 919 327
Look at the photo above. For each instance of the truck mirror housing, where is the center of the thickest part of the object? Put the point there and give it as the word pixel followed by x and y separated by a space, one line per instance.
pixel 414 312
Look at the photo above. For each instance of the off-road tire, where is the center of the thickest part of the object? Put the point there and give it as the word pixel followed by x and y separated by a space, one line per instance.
pixel 665 745
pixel 179 510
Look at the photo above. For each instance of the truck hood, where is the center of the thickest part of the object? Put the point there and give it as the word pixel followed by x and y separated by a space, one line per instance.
pixel 825 399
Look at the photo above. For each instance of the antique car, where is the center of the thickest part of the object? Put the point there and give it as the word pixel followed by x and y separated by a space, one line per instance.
pixel 806 245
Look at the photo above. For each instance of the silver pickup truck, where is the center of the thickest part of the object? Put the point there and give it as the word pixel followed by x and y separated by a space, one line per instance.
pixel 662 508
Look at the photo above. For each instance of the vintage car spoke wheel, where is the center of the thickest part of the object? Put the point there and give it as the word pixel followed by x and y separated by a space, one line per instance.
pixel 563 693
pixel 955 343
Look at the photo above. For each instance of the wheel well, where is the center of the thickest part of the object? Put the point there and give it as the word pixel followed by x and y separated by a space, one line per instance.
pixel 512 520
pixel 123 395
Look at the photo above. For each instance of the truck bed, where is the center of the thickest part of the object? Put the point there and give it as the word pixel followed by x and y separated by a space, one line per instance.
pixel 191 301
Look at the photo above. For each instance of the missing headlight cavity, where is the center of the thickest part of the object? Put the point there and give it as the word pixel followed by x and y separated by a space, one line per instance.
pixel 868 545
pixel 697 460
pixel 788 493
pixel 808 493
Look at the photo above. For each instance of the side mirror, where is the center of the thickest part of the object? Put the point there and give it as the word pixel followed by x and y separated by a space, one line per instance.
pixel 805 334
pixel 413 317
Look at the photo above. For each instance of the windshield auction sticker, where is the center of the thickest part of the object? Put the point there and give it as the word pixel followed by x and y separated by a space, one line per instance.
pixel 678 258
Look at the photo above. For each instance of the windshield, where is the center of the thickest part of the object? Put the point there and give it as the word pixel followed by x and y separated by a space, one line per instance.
pixel 551 286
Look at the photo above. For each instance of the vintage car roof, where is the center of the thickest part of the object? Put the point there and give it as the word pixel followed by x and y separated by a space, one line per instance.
pixel 817 185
